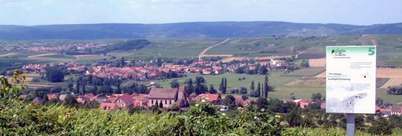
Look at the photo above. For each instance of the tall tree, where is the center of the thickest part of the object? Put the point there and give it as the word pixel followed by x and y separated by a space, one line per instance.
pixel 222 85
pixel 95 89
pixel 54 74
pixel 77 86
pixel 122 63
pixel 230 101
pixel 267 88
pixel 263 70
pixel 262 92
pixel 212 89
pixel 316 97
pixel 252 86
pixel 258 89
pixel 159 62
pixel 226 84
pixel 189 87
pixel 83 88
pixel 174 84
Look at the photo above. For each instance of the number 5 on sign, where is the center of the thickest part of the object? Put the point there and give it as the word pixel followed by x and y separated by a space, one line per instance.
pixel 371 50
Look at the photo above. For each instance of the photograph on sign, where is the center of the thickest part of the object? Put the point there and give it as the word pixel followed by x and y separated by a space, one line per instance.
pixel 351 79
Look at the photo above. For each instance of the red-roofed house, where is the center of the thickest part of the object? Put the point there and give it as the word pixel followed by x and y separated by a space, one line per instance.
pixel 52 96
pixel 23 96
pixel 90 96
pixel 124 101
pixel 302 103
pixel 140 100
pixel 108 106
pixel 240 100
pixel 206 71
pixel 213 98
pixel 82 99
pixel 323 105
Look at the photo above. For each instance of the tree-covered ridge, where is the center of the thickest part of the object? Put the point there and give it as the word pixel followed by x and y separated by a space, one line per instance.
pixel 189 30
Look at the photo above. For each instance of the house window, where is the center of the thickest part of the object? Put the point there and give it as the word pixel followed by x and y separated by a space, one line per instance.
pixel 152 102
pixel 170 102
pixel 165 102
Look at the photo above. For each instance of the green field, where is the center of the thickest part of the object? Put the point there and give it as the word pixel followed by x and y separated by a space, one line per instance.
pixel 395 99
pixel 233 81
pixel 306 72
pixel 172 48
pixel 381 81
pixel 395 61
pixel 276 79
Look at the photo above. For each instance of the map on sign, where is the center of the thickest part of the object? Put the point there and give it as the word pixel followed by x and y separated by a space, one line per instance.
pixel 351 79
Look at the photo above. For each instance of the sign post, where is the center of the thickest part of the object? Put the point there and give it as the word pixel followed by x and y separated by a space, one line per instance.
pixel 350 126
pixel 351 81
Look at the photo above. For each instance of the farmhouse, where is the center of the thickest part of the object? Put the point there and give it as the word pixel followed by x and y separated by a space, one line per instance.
pixel 124 101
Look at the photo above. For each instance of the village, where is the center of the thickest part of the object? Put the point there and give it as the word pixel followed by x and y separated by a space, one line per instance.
pixel 45 48
pixel 176 98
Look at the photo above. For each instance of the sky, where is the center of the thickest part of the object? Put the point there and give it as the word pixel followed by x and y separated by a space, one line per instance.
pixel 44 12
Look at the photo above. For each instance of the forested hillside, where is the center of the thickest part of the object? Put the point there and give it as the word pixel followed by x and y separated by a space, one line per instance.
pixel 189 30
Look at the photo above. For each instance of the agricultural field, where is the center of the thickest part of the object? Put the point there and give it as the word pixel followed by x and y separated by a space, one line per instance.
pixel 322 75
pixel 389 73
pixel 87 59
pixel 392 82
pixel 41 84
pixel 173 48
pixel 317 62
pixel 305 47
pixel 395 61
pixel 395 99
pixel 300 92
pixel 275 78
pixel 51 57
pixel 316 52
pixel 381 81
pixel 308 82
pixel 306 72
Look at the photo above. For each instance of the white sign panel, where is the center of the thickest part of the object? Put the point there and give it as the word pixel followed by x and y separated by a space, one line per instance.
pixel 351 79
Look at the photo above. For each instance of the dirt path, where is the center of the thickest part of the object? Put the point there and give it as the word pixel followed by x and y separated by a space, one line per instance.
pixel 374 42
pixel 210 47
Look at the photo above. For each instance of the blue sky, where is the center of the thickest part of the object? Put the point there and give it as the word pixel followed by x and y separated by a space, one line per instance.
pixel 41 12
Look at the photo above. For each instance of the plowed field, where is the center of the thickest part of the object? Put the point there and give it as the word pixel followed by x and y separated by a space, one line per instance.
pixel 392 82
pixel 317 62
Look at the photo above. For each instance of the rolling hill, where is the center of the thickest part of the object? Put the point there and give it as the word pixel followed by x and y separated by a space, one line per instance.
pixel 189 30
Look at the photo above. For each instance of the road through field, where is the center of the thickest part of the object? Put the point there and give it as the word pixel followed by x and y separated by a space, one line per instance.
pixel 210 47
